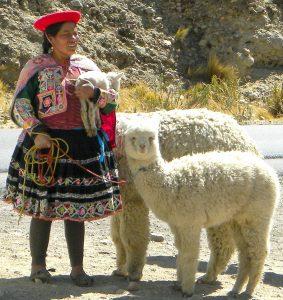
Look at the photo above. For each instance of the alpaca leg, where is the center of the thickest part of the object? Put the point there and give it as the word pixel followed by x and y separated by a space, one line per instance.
pixel 97 117
pixel 84 116
pixel 177 240
pixel 221 245
pixel 134 232
pixel 257 238
pixel 244 260
pixel 188 258
pixel 256 267
pixel 120 249
pixel 92 119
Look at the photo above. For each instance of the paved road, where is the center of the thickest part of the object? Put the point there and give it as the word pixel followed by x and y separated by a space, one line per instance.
pixel 269 139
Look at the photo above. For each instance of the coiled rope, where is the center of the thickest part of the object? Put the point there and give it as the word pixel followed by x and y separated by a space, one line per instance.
pixel 40 167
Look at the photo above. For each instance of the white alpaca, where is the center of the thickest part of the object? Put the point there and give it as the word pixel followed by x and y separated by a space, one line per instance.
pixel 107 83
pixel 181 132
pixel 204 190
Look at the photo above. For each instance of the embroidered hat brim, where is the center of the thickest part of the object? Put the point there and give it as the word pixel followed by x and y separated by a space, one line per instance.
pixel 61 16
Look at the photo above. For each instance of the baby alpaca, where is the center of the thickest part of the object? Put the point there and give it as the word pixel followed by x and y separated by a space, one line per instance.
pixel 107 84
pixel 181 132
pixel 205 190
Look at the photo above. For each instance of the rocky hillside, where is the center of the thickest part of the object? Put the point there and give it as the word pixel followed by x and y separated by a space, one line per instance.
pixel 153 39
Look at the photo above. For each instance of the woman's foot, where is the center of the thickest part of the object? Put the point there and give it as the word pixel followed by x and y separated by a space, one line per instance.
pixel 40 274
pixel 80 278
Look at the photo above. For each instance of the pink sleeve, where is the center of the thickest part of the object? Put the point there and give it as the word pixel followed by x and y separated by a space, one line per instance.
pixel 108 124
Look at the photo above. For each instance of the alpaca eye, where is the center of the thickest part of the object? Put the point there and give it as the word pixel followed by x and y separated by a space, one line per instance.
pixel 133 139
pixel 151 138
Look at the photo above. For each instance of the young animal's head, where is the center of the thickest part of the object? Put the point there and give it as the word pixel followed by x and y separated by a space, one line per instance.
pixel 94 78
pixel 115 80
pixel 141 141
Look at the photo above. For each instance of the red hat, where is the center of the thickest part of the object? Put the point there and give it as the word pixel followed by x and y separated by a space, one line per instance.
pixel 61 16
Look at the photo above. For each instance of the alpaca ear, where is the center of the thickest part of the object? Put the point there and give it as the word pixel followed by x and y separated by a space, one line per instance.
pixel 115 76
pixel 155 122
pixel 120 76
pixel 82 81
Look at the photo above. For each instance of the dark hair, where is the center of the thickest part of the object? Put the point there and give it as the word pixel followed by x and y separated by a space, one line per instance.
pixel 50 30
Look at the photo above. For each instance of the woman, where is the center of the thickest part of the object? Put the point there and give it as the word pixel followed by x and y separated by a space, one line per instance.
pixel 47 106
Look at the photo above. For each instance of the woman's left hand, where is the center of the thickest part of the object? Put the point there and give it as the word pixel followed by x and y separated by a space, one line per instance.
pixel 84 91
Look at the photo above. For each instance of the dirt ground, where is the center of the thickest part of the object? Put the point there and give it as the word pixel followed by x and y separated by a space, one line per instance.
pixel 159 272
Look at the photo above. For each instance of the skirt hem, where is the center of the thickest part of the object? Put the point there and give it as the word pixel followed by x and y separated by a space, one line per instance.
pixel 64 218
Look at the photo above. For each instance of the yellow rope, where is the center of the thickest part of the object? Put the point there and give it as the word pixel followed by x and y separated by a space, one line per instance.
pixel 34 160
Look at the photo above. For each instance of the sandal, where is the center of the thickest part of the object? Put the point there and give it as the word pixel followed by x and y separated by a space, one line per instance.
pixel 41 275
pixel 82 280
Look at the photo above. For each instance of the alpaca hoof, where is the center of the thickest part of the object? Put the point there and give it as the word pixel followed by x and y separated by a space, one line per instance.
pixel 247 296
pixel 195 297
pixel 134 276
pixel 89 133
pixel 133 286
pixel 233 295
pixel 119 273
pixel 187 296
pixel 156 238
pixel 93 133
pixel 205 280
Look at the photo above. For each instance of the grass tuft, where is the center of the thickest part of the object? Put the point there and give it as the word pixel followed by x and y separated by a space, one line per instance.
pixel 275 102
pixel 213 68
pixel 182 33
pixel 219 95
pixel 5 100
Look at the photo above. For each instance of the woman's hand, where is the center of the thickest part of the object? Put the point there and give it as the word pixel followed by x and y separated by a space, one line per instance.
pixel 84 91
pixel 108 96
pixel 42 141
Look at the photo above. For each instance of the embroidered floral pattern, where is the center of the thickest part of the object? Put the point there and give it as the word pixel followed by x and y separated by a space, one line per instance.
pixel 52 96
pixel 24 113
pixel 70 181
pixel 69 210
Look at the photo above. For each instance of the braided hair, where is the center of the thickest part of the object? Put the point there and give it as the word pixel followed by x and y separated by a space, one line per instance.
pixel 51 30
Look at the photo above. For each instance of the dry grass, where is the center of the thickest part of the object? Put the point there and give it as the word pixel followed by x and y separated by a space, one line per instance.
pixel 219 95
pixel 5 100
pixel 213 68
pixel 182 33
pixel 142 98
pixel 275 102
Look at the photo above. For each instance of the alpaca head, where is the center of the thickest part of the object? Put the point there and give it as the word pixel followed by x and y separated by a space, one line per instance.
pixel 94 78
pixel 141 141
pixel 105 81
pixel 114 79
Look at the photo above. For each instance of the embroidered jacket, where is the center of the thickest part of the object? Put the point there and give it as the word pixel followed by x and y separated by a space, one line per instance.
pixel 45 96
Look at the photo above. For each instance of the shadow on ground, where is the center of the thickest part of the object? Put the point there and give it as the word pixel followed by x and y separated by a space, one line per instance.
pixel 61 287
pixel 273 279
pixel 170 262
pixel 116 287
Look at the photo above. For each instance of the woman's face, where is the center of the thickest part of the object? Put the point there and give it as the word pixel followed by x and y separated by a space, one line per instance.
pixel 66 40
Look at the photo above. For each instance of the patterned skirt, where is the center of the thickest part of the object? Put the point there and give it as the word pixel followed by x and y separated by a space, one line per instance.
pixel 74 193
